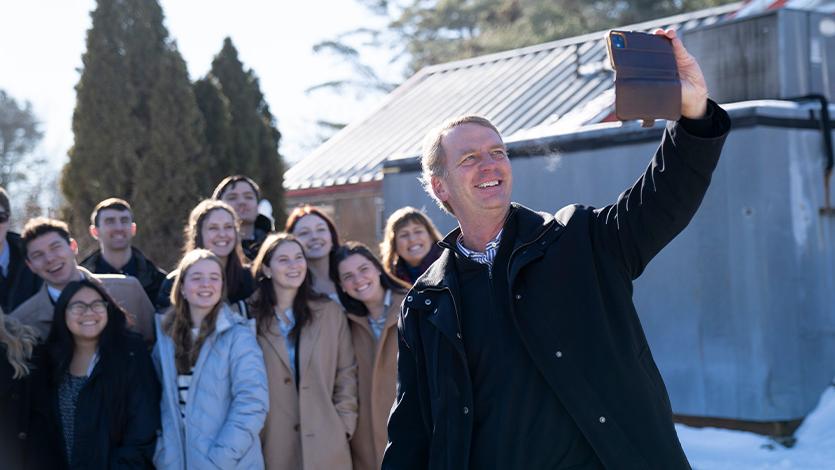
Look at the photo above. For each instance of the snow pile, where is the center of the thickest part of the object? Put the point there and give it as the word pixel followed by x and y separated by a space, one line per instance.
pixel 720 449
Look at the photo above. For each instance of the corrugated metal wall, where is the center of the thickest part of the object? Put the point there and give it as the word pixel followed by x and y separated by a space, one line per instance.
pixel 740 308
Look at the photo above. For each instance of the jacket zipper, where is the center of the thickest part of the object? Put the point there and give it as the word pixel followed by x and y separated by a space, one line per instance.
pixel 513 254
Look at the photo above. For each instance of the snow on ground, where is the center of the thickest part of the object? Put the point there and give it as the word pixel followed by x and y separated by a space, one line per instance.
pixel 721 449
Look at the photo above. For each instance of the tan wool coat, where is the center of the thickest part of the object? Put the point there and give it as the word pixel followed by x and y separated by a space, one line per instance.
pixel 377 373
pixel 125 290
pixel 309 428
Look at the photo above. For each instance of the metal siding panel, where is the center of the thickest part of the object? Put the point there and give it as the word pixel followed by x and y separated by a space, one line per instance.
pixel 738 309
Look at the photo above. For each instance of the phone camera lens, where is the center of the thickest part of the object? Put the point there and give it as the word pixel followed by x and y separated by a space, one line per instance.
pixel 618 41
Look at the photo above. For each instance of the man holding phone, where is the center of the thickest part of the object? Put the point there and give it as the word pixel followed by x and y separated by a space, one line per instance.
pixel 520 348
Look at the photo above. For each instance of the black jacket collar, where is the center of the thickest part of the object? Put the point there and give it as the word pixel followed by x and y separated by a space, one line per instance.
pixel 530 225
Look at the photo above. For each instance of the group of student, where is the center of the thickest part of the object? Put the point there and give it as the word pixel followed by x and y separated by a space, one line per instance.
pixel 262 349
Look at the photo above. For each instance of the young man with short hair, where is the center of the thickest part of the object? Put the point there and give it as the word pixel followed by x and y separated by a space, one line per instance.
pixel 242 193
pixel 17 281
pixel 50 254
pixel 112 225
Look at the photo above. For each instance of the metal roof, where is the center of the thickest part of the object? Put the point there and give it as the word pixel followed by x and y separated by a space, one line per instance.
pixel 561 85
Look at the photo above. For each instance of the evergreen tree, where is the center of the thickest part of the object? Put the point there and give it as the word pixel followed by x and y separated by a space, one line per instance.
pixel 137 128
pixel 218 130
pixel 253 146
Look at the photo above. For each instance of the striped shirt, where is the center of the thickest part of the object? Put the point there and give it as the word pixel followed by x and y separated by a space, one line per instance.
pixel 184 381
pixel 481 257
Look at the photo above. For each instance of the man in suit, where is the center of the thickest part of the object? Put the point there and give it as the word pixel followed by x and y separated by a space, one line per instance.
pixel 17 282
pixel 50 253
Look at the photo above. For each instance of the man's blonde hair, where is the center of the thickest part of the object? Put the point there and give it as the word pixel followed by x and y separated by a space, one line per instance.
pixel 432 154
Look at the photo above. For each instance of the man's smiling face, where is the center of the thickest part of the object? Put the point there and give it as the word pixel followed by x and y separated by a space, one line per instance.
pixel 478 178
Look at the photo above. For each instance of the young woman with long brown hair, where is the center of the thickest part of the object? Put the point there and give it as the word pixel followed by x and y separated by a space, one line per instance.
pixel 372 299
pixel 214 386
pixel 318 236
pixel 310 363
pixel 214 225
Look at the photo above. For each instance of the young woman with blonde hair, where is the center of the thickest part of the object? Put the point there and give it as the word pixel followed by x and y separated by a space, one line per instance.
pixel 24 427
pixel 214 386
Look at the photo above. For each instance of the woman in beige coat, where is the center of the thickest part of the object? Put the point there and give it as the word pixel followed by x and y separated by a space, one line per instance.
pixel 311 368
pixel 372 299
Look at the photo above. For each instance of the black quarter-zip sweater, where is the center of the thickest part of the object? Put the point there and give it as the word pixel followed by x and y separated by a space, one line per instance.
pixel 518 421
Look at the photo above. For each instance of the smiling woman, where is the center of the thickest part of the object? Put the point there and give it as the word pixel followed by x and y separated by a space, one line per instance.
pixel 104 390
pixel 310 363
pixel 214 396
pixel 213 225
pixel 317 234
pixel 409 245
pixel 372 300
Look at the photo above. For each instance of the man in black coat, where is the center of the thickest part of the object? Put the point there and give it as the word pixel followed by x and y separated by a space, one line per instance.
pixel 112 225
pixel 17 281
pixel 521 348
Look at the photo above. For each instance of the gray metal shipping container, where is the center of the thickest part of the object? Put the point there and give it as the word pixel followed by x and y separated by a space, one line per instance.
pixel 740 308
pixel 778 54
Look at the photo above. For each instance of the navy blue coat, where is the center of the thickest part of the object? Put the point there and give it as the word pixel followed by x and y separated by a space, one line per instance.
pixel 570 279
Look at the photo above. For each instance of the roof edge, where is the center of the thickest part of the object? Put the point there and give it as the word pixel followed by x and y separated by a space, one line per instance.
pixel 713 11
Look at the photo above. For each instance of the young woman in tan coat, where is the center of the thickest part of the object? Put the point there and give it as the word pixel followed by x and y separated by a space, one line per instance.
pixel 372 300
pixel 311 368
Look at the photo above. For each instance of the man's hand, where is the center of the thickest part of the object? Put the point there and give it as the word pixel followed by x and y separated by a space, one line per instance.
pixel 693 86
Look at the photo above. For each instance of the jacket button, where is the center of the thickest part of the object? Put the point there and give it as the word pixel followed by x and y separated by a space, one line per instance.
pixel 287 380
pixel 296 428
pixel 602 419
pixel 427 302
pixel 466 410
pixel 518 296
pixel 22 436
pixel 408 298
pixel 558 354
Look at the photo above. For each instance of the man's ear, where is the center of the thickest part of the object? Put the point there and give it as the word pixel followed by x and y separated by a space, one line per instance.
pixel 439 188
pixel 133 229
pixel 74 246
pixel 94 232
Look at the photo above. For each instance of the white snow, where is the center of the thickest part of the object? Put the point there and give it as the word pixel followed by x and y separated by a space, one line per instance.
pixel 720 449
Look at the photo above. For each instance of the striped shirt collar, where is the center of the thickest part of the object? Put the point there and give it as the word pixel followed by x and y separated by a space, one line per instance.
pixel 482 257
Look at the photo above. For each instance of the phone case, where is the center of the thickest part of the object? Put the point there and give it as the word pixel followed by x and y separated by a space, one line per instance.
pixel 647 85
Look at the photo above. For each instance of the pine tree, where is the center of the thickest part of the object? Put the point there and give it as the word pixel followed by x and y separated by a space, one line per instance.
pixel 137 128
pixel 214 106
pixel 254 137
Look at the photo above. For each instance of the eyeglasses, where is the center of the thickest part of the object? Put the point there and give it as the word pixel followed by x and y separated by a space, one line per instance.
pixel 77 309
pixel 4 217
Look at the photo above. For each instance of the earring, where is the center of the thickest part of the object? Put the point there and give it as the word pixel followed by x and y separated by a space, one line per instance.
pixel 267 275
